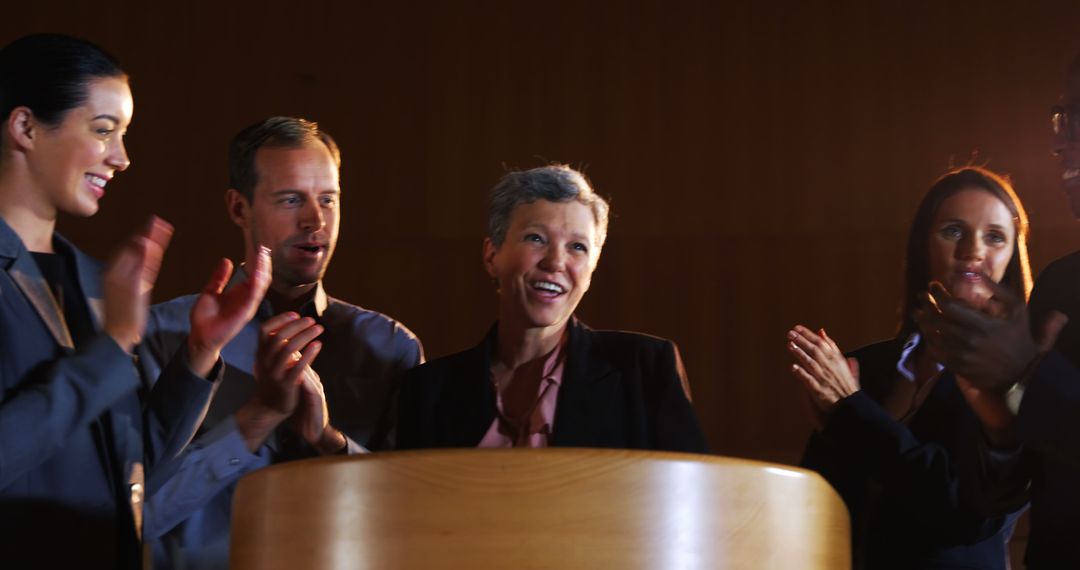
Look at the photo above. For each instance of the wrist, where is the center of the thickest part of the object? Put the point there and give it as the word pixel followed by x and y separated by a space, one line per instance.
pixel 201 358
pixel 256 422
pixel 126 341
pixel 1014 394
pixel 331 441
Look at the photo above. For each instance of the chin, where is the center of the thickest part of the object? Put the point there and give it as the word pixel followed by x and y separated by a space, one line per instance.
pixel 82 210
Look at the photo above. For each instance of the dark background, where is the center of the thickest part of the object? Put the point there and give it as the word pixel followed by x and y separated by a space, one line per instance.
pixel 763 161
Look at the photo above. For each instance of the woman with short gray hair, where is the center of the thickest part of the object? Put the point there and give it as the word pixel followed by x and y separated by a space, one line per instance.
pixel 540 377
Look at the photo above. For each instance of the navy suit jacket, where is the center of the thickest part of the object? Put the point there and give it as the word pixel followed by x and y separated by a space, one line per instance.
pixel 618 390
pixel 72 425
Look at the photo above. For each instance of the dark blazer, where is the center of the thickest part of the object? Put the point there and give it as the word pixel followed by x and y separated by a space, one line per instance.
pixel 907 485
pixel 72 425
pixel 619 390
pixel 1049 424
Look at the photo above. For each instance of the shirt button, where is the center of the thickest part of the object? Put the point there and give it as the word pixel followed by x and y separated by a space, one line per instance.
pixel 234 461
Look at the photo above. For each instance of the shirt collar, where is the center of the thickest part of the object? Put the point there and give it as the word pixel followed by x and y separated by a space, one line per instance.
pixel 313 308
pixel 906 365
pixel 554 360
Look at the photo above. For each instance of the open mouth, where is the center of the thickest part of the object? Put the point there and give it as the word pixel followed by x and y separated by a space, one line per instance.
pixel 97 184
pixel 547 287
pixel 310 249
pixel 1069 174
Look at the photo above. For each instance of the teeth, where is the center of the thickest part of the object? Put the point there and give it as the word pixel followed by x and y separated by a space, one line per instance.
pixel 548 286
pixel 96 180
pixel 1070 174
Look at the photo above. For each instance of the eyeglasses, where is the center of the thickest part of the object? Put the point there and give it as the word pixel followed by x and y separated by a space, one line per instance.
pixel 1065 122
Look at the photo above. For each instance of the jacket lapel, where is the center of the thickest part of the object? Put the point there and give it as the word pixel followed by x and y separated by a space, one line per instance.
pixel 588 398
pixel 469 397
pixel 24 272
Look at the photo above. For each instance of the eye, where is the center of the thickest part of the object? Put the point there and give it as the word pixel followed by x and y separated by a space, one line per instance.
pixel 104 132
pixel 578 246
pixel 996 238
pixel 328 200
pixel 535 238
pixel 289 200
pixel 952 231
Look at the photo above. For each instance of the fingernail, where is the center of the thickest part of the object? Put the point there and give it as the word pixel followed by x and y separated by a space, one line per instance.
pixel 263 250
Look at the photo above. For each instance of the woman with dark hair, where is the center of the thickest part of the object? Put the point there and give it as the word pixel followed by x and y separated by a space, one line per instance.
pixel 74 431
pixel 542 378
pixel 899 433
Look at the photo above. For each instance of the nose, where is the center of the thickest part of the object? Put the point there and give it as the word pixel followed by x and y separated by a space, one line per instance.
pixel 554 259
pixel 971 248
pixel 118 156
pixel 312 218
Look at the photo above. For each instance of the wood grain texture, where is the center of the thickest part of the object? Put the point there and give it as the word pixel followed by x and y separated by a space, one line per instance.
pixel 550 508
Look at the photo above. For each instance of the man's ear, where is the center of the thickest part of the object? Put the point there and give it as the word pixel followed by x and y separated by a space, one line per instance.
pixel 22 128
pixel 489 257
pixel 238 207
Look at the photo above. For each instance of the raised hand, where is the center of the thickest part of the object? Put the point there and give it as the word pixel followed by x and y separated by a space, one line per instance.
pixel 822 368
pixel 287 347
pixel 218 315
pixel 129 279
pixel 991 347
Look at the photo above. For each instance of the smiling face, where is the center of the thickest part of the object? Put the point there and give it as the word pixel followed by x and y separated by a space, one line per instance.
pixel 294 211
pixel 544 265
pixel 973 234
pixel 71 163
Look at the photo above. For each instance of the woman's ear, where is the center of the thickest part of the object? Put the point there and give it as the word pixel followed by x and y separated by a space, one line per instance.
pixel 489 258
pixel 22 128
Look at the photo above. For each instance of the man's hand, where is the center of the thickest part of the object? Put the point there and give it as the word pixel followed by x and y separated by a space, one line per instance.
pixel 287 347
pixel 312 418
pixel 130 278
pixel 218 315
pixel 991 348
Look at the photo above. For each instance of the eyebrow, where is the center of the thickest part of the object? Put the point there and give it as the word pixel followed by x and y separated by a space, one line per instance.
pixel 298 191
pixel 576 235
pixel 112 118
pixel 965 222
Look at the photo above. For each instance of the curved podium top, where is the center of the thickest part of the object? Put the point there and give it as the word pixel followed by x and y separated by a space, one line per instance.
pixel 537 508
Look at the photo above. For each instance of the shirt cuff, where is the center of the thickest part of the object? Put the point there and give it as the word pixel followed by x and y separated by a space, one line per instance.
pixel 226 451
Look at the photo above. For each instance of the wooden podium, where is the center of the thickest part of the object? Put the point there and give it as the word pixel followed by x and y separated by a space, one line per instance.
pixel 537 508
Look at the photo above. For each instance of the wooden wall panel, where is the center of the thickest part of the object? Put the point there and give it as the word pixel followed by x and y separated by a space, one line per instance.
pixel 763 161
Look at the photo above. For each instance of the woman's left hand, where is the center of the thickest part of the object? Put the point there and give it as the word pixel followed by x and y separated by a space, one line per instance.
pixel 824 371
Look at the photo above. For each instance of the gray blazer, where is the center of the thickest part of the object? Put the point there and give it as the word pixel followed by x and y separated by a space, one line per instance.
pixel 76 424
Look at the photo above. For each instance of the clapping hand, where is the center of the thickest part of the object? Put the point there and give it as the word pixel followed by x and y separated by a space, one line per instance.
pixel 129 279
pixel 822 368
pixel 218 315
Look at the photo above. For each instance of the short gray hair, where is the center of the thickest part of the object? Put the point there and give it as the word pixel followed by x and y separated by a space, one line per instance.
pixel 554 183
